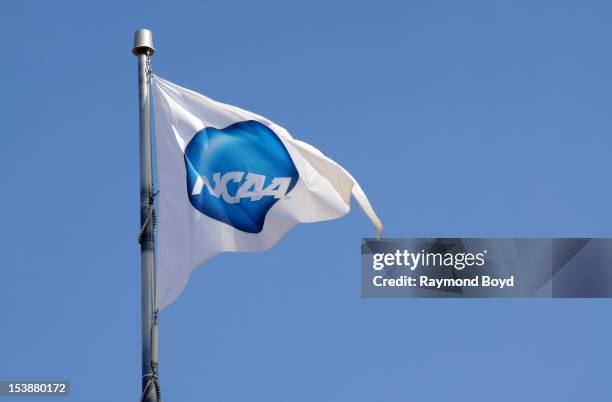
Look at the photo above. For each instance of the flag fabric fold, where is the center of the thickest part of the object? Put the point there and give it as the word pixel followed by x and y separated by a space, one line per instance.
pixel 231 180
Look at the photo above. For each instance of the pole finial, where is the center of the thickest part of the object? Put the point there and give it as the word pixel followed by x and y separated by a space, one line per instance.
pixel 143 42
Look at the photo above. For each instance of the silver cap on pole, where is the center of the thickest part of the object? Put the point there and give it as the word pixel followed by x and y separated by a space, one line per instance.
pixel 143 42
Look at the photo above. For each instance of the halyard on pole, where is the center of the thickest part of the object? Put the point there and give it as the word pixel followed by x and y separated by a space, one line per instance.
pixel 143 49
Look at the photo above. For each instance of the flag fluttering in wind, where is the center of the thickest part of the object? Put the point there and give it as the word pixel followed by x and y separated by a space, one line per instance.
pixel 231 180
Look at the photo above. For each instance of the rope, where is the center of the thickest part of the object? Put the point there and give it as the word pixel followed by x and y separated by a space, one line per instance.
pixel 150 220
pixel 148 68
pixel 150 217
pixel 153 380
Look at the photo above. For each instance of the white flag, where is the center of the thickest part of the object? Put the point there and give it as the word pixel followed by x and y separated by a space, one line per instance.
pixel 230 180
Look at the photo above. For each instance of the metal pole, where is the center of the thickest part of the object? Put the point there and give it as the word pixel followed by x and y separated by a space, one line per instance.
pixel 143 49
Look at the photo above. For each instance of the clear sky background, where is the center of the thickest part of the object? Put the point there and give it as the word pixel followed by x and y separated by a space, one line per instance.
pixel 471 118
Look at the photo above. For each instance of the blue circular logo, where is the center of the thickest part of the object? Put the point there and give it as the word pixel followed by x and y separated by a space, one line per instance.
pixel 236 174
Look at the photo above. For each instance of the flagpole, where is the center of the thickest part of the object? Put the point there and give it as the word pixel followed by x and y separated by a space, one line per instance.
pixel 143 49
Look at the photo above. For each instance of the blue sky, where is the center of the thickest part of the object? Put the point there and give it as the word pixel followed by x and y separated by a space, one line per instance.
pixel 472 118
